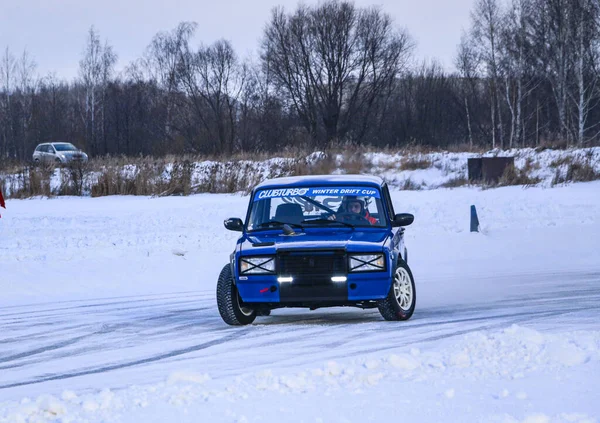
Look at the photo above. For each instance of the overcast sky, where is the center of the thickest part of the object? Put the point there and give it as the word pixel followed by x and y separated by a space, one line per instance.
pixel 54 31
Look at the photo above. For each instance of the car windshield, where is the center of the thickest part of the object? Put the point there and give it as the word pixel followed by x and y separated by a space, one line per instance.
pixel 65 146
pixel 335 206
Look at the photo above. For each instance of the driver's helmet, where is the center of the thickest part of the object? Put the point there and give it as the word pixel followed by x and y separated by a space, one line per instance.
pixel 353 204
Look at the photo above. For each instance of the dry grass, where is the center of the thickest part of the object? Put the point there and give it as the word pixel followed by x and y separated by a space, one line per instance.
pixel 412 162
pixel 10 166
pixel 466 148
pixel 577 171
pixel 552 144
pixel 409 185
pixel 142 176
pixel 227 178
pixel 73 178
pixel 566 160
pixel 514 176
pixel 530 165
pixel 325 165
pixel 189 174
pixel 388 166
pixel 455 182
pixel 354 163
pixel 31 181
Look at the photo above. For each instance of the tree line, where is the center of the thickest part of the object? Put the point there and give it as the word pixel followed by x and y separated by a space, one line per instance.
pixel 526 73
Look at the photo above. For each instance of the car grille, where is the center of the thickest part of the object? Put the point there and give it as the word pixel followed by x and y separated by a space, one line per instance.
pixel 312 268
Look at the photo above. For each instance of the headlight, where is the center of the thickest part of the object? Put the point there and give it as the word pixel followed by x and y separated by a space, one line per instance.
pixel 257 265
pixel 367 262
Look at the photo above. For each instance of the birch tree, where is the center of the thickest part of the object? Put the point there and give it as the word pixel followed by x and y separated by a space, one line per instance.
pixel 486 27
pixel 7 81
pixel 163 61
pixel 95 70
pixel 584 61
pixel 517 55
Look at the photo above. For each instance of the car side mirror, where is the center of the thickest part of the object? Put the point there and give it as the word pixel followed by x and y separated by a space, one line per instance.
pixel 234 224
pixel 403 219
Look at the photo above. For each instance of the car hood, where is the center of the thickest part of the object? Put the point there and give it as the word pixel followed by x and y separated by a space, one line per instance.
pixel 351 241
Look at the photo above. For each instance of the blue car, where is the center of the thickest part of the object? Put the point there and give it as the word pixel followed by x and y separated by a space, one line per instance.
pixel 318 241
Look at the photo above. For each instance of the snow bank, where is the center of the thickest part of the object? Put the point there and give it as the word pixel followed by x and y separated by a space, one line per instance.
pixel 448 373
pixel 438 169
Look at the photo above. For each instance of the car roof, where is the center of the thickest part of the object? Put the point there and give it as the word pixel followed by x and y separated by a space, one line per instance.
pixel 54 142
pixel 321 180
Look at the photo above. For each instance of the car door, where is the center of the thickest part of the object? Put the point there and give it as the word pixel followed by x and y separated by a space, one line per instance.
pixel 52 154
pixel 398 239
pixel 44 153
pixel 37 153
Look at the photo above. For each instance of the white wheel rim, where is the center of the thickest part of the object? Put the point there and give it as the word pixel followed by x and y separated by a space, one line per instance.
pixel 403 289
pixel 245 310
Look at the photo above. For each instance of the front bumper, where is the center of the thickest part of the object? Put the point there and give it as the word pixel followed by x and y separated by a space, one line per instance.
pixel 357 287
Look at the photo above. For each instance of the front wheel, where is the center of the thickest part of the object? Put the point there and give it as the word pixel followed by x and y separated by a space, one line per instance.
pixel 401 299
pixel 229 302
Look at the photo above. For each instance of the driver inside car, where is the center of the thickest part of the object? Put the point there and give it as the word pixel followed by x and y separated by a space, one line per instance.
pixel 353 205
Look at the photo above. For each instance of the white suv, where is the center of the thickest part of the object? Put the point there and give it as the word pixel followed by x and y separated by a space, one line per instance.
pixel 58 152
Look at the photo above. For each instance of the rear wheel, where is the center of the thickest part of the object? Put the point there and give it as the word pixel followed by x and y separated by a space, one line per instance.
pixel 232 310
pixel 401 299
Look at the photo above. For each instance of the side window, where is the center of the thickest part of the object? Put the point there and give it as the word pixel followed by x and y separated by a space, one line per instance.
pixel 51 149
pixel 262 208
pixel 388 200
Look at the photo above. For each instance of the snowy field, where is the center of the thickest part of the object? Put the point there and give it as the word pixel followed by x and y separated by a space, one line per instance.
pixel 108 314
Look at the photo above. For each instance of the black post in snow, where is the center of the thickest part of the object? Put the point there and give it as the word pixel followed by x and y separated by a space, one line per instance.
pixel 474 220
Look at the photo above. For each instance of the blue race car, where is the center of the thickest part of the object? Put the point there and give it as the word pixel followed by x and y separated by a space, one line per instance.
pixel 318 241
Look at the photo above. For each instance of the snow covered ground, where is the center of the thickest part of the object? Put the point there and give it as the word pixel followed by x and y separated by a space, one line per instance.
pixel 107 314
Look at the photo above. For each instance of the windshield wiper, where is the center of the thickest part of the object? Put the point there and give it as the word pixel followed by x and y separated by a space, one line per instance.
pixel 316 203
pixel 278 223
pixel 327 221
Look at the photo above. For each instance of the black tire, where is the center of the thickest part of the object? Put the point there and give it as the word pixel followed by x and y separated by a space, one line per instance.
pixel 228 301
pixel 403 285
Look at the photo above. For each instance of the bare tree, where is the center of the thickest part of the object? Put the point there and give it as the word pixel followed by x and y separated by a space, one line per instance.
pixel 163 61
pixel 332 61
pixel 553 48
pixel 213 80
pixel 7 79
pixel 467 63
pixel 25 68
pixel 95 69
pixel 516 59
pixel 486 27
pixel 584 61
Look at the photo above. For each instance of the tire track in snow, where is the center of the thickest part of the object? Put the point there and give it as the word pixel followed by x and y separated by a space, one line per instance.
pixel 117 366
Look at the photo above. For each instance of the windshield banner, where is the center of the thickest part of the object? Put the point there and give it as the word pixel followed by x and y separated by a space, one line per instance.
pixel 313 192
